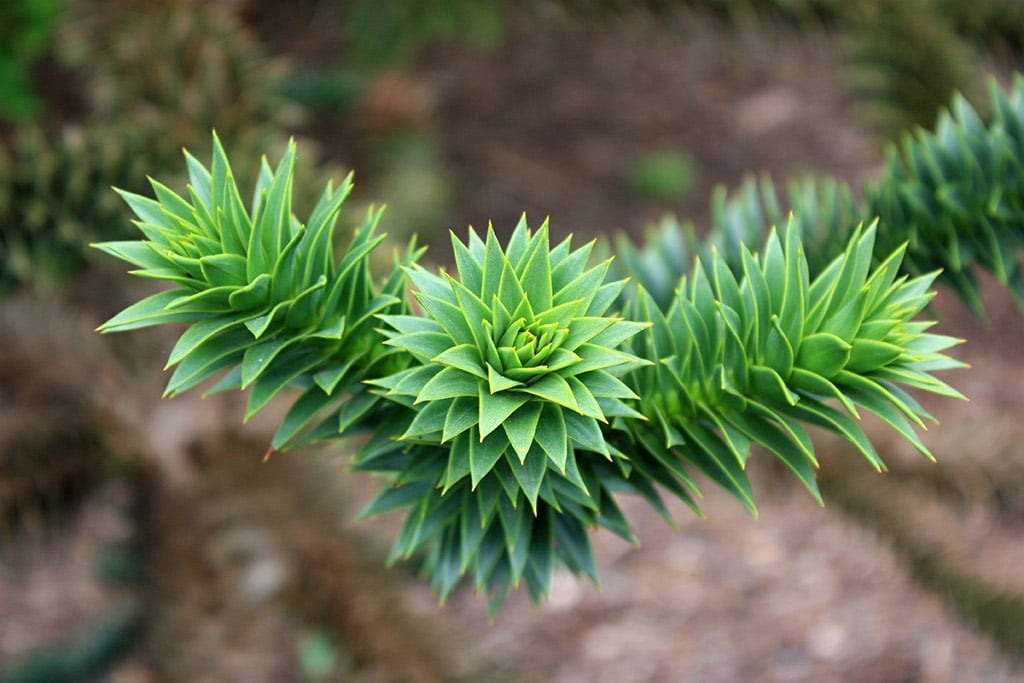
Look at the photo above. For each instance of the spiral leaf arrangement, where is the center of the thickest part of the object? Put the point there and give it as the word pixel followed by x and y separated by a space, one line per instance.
pixel 748 361
pixel 518 368
pixel 512 404
pixel 266 303
pixel 519 362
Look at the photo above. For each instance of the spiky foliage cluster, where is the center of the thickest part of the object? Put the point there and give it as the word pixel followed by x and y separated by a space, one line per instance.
pixel 814 204
pixel 750 360
pixel 823 211
pixel 955 196
pixel 517 369
pixel 666 252
pixel 959 192
pixel 55 195
pixel 512 405
pixel 491 533
pixel 266 302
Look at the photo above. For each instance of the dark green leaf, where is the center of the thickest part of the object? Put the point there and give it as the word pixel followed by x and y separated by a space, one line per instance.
pixel 484 454
pixel 462 415
pixel 521 427
pixel 395 498
pixel 529 472
pixel 449 383
pixel 496 408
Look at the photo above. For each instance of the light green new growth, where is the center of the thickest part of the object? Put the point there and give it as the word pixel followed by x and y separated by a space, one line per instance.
pixel 750 360
pixel 517 362
pixel 511 405
pixel 267 304
pixel 517 369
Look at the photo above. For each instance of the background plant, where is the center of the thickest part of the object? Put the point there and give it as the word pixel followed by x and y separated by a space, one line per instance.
pixel 952 194
pixel 26 31
pixel 666 175
pixel 209 72
pixel 381 35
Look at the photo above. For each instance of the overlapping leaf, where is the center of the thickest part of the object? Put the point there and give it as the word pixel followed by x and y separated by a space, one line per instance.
pixel 519 367
pixel 753 360
pixel 267 303
pixel 517 406
pixel 957 195
pixel 491 532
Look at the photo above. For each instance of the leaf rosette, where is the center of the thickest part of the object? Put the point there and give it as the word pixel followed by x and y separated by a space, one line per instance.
pixel 267 304
pixel 751 360
pixel 519 364
pixel 499 453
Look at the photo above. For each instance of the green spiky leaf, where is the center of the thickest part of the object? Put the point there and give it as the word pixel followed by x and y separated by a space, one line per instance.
pixel 261 293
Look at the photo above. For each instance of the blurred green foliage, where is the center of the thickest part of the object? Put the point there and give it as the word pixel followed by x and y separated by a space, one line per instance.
pixel 904 58
pixel 336 90
pixel 204 70
pixel 382 33
pixel 89 657
pixel 26 30
pixel 951 197
pixel 55 198
pixel 317 655
pixel 413 175
pixel 664 175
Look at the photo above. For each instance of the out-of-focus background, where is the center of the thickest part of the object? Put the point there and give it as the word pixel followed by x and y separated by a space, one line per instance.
pixel 144 540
